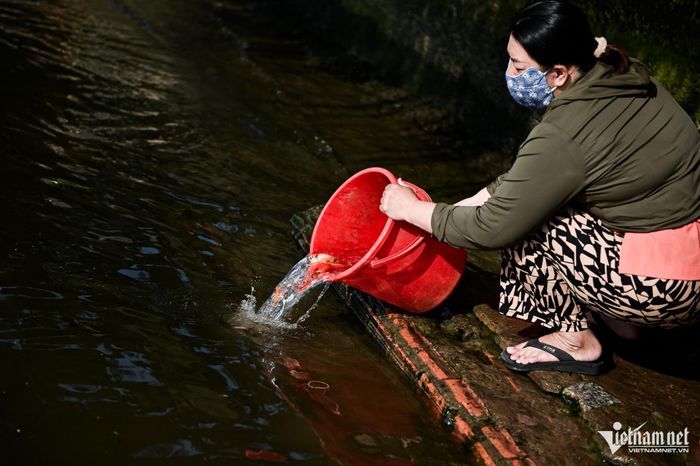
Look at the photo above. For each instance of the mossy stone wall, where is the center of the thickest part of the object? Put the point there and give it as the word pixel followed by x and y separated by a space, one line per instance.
pixel 455 50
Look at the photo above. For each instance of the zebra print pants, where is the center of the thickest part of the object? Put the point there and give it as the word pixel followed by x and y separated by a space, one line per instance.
pixel 570 265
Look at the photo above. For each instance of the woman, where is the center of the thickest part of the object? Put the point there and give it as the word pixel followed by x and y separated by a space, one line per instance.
pixel 601 208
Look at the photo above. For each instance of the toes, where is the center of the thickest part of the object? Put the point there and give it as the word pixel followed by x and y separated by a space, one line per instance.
pixel 531 356
pixel 524 357
pixel 517 356
pixel 527 356
pixel 515 348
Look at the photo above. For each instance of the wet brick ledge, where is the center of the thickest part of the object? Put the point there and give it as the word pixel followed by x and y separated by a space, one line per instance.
pixel 449 394
pixel 507 418
pixel 589 395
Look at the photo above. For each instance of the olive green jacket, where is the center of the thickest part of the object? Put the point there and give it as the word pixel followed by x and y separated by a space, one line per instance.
pixel 617 146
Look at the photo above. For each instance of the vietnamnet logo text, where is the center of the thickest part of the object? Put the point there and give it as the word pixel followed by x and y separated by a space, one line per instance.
pixel 639 441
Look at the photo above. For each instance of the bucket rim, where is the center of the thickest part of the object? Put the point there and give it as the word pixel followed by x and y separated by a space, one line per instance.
pixel 369 255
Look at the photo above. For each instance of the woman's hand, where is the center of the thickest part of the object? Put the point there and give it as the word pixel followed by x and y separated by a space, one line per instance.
pixel 399 202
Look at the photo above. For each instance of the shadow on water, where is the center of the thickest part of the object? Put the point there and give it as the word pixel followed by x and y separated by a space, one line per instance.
pixel 152 156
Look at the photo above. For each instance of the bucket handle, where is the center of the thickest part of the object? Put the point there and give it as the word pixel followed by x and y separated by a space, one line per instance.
pixel 423 196
pixel 380 262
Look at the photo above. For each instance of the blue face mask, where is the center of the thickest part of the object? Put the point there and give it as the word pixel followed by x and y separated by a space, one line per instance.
pixel 530 88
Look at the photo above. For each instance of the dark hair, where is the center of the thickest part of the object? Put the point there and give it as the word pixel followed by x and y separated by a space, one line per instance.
pixel 557 32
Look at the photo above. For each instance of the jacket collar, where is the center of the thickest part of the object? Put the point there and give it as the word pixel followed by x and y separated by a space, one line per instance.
pixel 600 82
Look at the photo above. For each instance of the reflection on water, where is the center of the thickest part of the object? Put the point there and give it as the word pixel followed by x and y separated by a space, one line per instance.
pixel 149 170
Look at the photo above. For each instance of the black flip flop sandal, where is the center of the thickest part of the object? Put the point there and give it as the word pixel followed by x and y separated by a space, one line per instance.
pixel 565 363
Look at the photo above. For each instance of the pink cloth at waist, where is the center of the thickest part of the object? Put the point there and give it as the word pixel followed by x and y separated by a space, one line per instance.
pixel 672 253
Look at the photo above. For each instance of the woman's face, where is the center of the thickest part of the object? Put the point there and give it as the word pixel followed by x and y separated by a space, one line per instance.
pixel 519 59
pixel 559 77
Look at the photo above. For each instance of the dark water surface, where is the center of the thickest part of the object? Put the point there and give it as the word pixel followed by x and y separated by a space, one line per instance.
pixel 150 165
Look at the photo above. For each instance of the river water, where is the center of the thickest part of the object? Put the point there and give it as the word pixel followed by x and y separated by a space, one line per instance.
pixel 153 153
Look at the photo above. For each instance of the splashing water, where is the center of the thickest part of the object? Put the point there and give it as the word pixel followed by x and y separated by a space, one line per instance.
pixel 309 273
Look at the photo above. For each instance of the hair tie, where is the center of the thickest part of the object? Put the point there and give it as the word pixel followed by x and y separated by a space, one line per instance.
pixel 602 45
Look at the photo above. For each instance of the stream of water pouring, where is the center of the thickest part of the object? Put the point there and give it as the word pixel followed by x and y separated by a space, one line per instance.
pixel 308 274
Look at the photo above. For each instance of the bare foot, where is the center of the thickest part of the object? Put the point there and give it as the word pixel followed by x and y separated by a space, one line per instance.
pixel 582 346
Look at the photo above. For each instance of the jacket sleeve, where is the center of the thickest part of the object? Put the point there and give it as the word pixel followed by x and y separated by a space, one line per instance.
pixel 547 173
pixel 492 186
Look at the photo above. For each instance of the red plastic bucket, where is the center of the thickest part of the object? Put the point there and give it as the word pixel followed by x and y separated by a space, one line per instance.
pixel 393 261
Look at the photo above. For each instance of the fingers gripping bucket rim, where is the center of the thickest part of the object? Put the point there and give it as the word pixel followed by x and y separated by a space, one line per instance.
pixel 369 256
pixel 393 261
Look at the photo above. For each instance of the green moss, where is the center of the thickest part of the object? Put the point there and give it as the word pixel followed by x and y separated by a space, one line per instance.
pixel 661 34
pixel 454 52
pixel 370 9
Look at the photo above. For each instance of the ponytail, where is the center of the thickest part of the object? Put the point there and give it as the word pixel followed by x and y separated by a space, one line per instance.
pixel 616 58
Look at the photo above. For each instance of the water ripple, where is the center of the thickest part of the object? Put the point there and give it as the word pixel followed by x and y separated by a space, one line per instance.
pixel 180 447
pixel 131 366
pixel 28 292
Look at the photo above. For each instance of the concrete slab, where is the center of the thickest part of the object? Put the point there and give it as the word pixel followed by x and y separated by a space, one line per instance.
pixel 630 393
